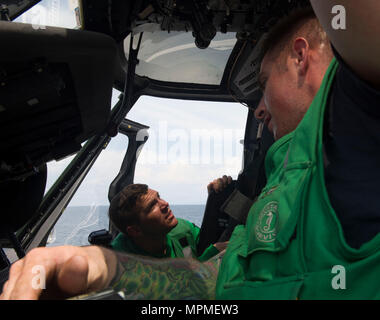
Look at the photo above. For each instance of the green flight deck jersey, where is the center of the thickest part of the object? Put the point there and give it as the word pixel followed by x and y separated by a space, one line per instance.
pixel 292 246
pixel 181 242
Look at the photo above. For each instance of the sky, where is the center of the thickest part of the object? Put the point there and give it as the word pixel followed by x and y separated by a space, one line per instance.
pixel 190 142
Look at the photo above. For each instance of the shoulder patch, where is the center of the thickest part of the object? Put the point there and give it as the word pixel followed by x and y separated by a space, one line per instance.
pixel 266 225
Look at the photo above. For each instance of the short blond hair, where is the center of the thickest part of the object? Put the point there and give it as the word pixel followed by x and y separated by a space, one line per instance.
pixel 299 23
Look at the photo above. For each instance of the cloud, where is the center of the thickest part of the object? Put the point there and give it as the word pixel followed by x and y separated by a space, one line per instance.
pixel 184 183
pixel 54 170
pixel 94 188
pixel 55 13
pixel 174 163
pixel 188 114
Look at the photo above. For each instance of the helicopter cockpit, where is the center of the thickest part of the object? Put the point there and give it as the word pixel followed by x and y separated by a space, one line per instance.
pixel 56 87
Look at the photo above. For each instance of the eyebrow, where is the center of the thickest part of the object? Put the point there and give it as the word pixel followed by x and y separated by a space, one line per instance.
pixel 262 79
pixel 151 204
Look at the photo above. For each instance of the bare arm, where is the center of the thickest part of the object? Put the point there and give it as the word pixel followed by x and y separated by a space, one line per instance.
pixel 359 43
pixel 70 271
pixel 157 279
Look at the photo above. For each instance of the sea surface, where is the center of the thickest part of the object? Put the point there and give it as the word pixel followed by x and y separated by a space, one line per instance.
pixel 76 223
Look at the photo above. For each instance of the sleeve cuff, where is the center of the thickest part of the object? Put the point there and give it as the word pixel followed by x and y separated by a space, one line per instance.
pixel 208 253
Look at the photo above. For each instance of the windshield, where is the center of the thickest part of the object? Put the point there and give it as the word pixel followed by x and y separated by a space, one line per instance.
pixel 174 57
pixel 53 13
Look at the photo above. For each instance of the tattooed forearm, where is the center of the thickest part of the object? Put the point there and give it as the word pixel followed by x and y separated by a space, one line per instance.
pixel 147 278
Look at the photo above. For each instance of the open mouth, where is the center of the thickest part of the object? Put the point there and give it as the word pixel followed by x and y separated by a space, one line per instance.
pixel 268 122
pixel 170 215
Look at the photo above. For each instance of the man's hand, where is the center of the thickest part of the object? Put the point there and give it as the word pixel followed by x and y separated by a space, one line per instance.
pixel 221 245
pixel 218 185
pixel 67 271
pixel 72 271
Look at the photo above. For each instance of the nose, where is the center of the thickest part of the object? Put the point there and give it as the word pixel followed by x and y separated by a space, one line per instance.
pixel 261 110
pixel 164 205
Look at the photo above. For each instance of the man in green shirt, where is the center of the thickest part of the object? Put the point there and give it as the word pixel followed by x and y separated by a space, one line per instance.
pixel 148 227
pixel 314 231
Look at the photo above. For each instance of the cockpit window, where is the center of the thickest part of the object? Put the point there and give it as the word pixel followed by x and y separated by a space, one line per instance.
pixel 88 209
pixel 52 13
pixel 174 57
pixel 190 144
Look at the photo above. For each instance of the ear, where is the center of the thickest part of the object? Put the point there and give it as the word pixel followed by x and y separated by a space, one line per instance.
pixel 260 111
pixel 301 52
pixel 133 231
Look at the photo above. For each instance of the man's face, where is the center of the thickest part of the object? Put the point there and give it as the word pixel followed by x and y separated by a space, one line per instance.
pixel 156 217
pixel 282 106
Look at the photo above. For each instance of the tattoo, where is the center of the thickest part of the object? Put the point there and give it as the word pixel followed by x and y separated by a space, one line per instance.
pixel 140 277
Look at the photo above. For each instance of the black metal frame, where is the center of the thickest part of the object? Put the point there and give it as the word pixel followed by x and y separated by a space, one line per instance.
pixel 37 230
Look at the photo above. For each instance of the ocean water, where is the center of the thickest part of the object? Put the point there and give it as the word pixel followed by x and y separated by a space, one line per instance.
pixel 76 223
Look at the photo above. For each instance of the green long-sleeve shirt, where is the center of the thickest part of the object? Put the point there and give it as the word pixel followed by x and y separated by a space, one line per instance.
pixel 185 234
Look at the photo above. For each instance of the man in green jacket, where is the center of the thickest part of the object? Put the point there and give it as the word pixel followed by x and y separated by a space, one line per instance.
pixel 148 227
pixel 314 231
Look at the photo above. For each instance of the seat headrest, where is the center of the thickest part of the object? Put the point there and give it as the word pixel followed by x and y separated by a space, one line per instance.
pixel 20 199
pixel 55 92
